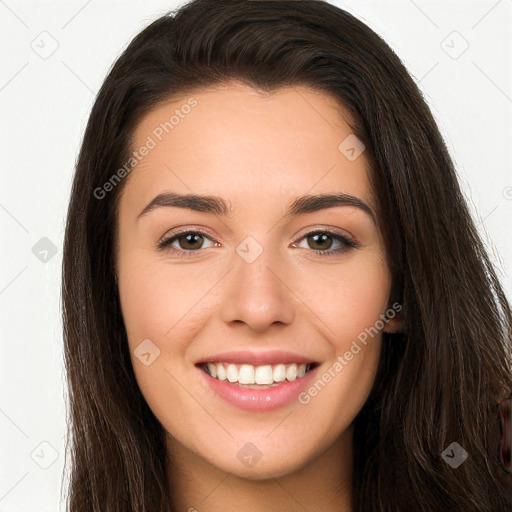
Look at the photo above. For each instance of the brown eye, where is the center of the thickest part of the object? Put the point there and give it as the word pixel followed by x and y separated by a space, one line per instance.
pixel 320 241
pixel 191 241
pixel 188 241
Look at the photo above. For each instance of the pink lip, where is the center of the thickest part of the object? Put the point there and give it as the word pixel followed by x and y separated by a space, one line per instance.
pixel 257 357
pixel 259 399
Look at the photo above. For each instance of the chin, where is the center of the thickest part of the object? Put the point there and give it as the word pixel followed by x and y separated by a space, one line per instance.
pixel 251 463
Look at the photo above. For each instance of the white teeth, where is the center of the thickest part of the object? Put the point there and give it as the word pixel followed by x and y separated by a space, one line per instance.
pixel 249 375
pixel 246 375
pixel 221 372
pixel 291 372
pixel 280 373
pixel 263 375
pixel 232 373
pixel 213 370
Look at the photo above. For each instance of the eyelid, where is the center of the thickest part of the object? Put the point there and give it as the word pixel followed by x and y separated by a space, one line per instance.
pixel 346 241
pixel 172 235
pixel 329 230
pixel 181 230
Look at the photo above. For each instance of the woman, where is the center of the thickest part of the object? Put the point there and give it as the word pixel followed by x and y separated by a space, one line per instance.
pixel 274 295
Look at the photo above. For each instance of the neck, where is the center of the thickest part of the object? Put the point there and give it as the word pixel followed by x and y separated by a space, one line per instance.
pixel 323 483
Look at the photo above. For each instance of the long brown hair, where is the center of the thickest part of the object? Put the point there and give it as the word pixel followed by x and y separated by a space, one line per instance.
pixel 438 382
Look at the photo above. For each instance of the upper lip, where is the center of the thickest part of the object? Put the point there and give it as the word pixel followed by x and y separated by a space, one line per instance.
pixel 257 357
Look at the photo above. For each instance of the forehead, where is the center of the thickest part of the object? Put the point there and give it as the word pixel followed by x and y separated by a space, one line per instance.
pixel 235 142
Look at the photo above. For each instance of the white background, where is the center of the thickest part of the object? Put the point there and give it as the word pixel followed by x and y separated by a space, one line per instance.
pixel 44 106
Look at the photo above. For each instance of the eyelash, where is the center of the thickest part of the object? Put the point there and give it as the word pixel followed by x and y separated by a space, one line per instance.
pixel 348 244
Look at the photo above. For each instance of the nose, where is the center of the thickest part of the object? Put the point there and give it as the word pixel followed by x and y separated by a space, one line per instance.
pixel 258 295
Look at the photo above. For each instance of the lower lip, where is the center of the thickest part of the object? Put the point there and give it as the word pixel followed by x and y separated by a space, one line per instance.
pixel 259 399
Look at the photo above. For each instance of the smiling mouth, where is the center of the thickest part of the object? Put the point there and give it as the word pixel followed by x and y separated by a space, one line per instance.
pixel 256 377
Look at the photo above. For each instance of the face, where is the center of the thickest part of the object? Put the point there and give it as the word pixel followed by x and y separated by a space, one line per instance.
pixel 228 301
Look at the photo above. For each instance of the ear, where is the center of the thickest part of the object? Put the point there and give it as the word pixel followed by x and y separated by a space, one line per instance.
pixel 395 322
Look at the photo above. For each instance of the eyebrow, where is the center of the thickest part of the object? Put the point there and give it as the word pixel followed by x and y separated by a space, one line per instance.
pixel 218 206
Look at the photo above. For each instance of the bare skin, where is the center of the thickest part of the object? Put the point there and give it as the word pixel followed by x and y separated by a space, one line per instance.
pixel 258 152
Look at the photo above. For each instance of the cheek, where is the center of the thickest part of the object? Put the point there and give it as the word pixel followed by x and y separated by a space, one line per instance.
pixel 158 300
pixel 160 303
pixel 351 308
pixel 348 298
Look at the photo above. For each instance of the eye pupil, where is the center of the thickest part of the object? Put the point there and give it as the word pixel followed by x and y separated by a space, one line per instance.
pixel 188 239
pixel 323 237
